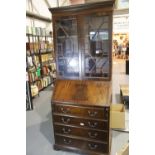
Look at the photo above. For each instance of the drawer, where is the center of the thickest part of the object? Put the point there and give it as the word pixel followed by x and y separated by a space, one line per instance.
pixel 95 124
pixel 99 113
pixel 82 144
pixel 81 132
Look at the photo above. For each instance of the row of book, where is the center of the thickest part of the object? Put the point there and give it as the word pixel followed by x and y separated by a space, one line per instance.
pixel 43 83
pixel 36 46
pixel 38 31
pixel 45 57
pixel 53 67
pixel 49 70
pixel 33 76
pixel 33 60
pixel 46 45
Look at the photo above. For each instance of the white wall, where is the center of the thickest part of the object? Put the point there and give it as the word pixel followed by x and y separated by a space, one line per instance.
pixel 39 7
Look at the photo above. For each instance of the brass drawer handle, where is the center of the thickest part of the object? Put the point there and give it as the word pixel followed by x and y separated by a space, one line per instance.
pixel 92 135
pixel 65 111
pixel 92 146
pixel 67 141
pixel 65 120
pixel 92 125
pixel 92 113
pixel 66 130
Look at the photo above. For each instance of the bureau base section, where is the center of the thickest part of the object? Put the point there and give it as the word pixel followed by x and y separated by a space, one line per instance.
pixel 58 147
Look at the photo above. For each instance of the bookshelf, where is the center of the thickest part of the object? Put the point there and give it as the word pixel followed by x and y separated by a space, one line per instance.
pixel 40 64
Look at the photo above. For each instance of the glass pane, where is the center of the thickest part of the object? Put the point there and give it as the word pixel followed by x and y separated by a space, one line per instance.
pixel 96 52
pixel 67 47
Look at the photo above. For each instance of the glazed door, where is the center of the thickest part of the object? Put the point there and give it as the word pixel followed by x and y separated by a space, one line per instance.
pixel 67 53
pixel 96 54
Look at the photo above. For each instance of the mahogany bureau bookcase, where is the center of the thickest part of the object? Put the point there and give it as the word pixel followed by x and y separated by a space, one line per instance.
pixel 82 94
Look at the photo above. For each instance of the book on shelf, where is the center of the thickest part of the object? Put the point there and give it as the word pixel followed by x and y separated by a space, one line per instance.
pixel 29 60
pixel 28 29
pixel 42 45
pixel 38 72
pixel 29 46
pixel 36 47
pixel 36 60
pixel 34 90
pixel 45 58
pixel 33 30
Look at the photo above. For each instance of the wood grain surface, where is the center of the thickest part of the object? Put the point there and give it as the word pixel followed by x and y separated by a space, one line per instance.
pixel 88 145
pixel 81 111
pixel 82 132
pixel 86 92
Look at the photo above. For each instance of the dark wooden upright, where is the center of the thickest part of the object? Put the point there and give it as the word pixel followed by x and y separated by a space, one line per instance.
pixel 82 94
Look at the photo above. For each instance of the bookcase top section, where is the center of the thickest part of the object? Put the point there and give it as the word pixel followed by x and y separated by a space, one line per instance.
pixel 82 92
pixel 79 7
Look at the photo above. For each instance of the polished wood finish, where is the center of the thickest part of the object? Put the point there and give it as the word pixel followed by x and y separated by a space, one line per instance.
pixel 80 122
pixel 88 145
pixel 87 92
pixel 82 132
pixel 101 113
